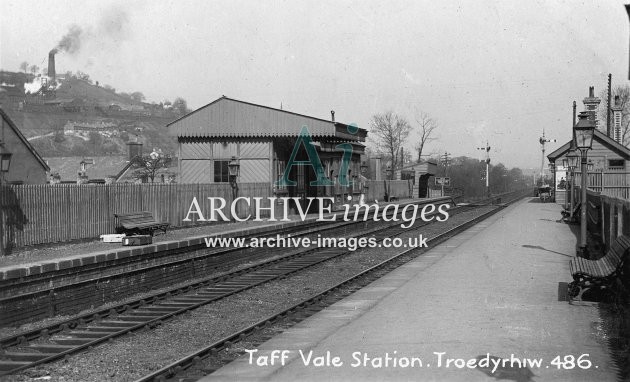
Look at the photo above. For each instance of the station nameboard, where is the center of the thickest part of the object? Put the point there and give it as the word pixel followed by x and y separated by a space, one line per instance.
pixel 442 181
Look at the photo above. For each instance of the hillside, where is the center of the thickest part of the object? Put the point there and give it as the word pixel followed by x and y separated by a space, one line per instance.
pixel 79 118
pixel 45 131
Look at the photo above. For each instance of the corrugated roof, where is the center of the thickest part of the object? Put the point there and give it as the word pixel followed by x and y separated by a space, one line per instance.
pixel 226 117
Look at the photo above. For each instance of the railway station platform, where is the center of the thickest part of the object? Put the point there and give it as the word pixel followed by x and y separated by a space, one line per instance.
pixel 492 293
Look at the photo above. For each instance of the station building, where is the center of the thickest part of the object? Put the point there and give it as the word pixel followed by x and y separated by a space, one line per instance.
pixel 262 139
pixel 419 174
pixel 608 166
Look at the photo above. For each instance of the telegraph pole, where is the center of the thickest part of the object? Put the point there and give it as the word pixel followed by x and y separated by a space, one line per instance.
pixel 487 149
pixel 445 161
pixel 608 131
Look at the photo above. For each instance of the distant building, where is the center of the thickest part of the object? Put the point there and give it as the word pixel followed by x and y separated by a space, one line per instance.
pixel 419 174
pixel 27 166
pixel 106 169
pixel 608 163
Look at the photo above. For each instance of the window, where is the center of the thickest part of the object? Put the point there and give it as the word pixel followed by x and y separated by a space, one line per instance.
pixel 615 164
pixel 221 172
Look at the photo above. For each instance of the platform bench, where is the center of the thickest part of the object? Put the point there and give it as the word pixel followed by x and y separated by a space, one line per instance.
pixel 601 273
pixel 139 223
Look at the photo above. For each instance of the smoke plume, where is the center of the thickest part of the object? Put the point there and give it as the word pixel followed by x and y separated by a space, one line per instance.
pixel 71 42
pixel 111 28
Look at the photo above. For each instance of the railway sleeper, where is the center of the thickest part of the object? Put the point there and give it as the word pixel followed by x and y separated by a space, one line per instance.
pixel 108 329
pixel 50 348
pixel 191 299
pixel 88 334
pixel 148 313
pixel 174 304
pixel 135 318
pixel 72 341
pixel 10 365
pixel 25 357
pixel 160 309
pixel 121 324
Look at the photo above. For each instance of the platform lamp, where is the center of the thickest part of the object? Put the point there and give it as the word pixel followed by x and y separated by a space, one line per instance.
pixel 364 186
pixel 552 170
pixel 5 162
pixel 364 168
pixel 584 131
pixel 388 176
pixel 234 168
pixel 565 165
pixel 573 159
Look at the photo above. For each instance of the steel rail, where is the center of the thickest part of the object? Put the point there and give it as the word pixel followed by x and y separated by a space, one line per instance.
pixel 179 304
pixel 369 274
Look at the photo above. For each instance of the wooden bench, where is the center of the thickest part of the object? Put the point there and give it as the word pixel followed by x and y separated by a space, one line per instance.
pixel 140 223
pixel 601 274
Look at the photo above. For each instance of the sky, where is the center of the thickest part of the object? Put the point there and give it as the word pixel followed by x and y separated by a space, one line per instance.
pixel 487 71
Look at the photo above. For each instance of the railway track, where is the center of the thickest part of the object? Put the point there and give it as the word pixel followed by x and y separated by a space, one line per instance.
pixel 47 344
pixel 196 365
pixel 104 286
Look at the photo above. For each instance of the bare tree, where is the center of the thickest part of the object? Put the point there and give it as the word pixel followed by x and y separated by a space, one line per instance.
pixel 623 91
pixel 24 66
pixel 426 127
pixel 149 166
pixel 391 130
pixel 34 69
pixel 180 105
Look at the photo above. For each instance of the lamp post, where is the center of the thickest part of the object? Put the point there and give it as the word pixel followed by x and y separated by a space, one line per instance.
pixel 572 160
pixel 388 176
pixel 584 131
pixel 566 182
pixel 552 170
pixel 233 171
pixel 364 187
pixel 5 162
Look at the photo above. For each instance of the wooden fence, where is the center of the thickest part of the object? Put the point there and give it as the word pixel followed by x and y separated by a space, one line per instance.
pixel 607 216
pixel 37 214
pixel 613 183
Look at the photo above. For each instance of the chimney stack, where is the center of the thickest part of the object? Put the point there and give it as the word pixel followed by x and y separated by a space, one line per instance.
pixel 135 149
pixel 591 103
pixel 51 64
pixel 332 113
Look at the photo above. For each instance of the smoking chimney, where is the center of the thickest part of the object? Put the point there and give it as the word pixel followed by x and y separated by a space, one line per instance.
pixel 332 113
pixel 51 64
